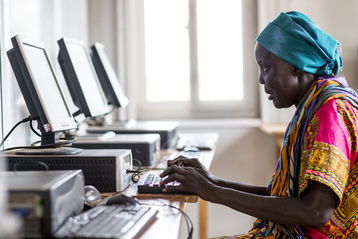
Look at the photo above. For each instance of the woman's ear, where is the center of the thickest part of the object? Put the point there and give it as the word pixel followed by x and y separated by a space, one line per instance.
pixel 297 72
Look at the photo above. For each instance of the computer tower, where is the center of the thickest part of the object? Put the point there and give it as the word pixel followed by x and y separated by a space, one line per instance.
pixel 145 147
pixel 166 129
pixel 45 199
pixel 105 169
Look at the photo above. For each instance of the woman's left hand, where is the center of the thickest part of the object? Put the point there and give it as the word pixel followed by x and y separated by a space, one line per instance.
pixel 191 181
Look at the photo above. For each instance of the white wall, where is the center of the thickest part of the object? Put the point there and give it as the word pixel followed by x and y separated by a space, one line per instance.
pixel 39 20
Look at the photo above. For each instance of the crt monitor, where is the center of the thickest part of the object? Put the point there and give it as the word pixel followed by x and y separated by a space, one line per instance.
pixel 107 76
pixel 40 88
pixel 81 78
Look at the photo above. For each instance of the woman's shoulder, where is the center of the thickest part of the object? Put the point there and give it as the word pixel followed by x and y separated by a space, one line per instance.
pixel 337 106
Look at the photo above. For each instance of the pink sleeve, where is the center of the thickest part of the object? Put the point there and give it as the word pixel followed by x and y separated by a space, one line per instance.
pixel 330 146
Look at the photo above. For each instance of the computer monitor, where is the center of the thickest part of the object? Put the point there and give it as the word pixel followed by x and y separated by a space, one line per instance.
pixel 107 76
pixel 81 78
pixel 39 86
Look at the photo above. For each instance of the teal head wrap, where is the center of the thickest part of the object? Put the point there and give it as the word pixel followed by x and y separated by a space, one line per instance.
pixel 296 39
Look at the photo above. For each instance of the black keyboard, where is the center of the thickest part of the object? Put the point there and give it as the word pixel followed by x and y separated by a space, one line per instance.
pixel 149 183
pixel 114 222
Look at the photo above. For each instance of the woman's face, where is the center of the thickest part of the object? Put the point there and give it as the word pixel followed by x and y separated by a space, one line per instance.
pixel 281 79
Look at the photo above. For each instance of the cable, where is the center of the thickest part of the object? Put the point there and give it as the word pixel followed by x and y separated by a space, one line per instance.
pixel 32 128
pixel 59 144
pixel 137 172
pixel 110 111
pixel 66 141
pixel 188 221
pixel 78 112
pixel 13 128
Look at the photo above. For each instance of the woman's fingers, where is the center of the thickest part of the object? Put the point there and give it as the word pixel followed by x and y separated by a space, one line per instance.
pixel 173 177
pixel 171 170
pixel 183 161
pixel 176 189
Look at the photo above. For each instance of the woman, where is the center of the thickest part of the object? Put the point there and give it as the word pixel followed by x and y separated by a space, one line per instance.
pixel 314 190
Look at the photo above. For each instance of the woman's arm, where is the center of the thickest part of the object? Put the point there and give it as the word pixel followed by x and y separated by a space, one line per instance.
pixel 200 168
pixel 239 186
pixel 313 208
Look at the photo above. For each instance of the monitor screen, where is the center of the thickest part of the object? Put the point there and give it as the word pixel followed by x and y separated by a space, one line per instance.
pixel 107 77
pixel 81 78
pixel 44 79
pixel 38 81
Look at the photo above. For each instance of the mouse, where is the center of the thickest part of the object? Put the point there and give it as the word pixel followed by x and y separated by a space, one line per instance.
pixel 190 149
pixel 92 196
pixel 121 199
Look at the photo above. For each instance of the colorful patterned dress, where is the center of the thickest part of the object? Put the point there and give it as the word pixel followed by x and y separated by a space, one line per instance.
pixel 320 144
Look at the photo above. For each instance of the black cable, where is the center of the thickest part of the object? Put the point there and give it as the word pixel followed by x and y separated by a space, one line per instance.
pixel 59 144
pixel 13 128
pixel 66 141
pixel 32 128
pixel 78 112
pixel 188 221
pixel 137 172
pixel 110 111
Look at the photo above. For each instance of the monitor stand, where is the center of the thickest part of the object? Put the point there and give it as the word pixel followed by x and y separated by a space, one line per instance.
pixel 50 139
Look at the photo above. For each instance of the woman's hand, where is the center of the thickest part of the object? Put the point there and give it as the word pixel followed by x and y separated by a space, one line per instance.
pixel 191 181
pixel 193 163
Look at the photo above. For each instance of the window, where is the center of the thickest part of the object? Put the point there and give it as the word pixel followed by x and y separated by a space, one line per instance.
pixel 190 58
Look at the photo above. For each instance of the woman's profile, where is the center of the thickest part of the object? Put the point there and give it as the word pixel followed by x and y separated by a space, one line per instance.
pixel 314 190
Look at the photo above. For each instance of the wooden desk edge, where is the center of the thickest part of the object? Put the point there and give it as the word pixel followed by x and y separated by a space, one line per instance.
pixel 274 129
pixel 171 197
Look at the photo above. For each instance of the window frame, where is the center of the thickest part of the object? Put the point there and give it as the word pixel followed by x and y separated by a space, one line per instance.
pixel 134 57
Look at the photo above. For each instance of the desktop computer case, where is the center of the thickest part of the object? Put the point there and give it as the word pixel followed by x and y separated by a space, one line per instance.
pixel 45 198
pixel 105 169
pixel 166 129
pixel 145 147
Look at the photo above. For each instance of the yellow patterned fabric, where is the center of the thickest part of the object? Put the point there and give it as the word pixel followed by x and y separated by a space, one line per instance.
pixel 320 144
pixel 329 157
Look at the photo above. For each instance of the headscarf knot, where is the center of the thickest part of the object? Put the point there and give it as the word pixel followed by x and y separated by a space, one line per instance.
pixel 327 69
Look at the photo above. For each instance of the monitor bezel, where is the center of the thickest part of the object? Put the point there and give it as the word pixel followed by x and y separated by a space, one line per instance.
pixel 106 82
pixel 72 80
pixel 33 99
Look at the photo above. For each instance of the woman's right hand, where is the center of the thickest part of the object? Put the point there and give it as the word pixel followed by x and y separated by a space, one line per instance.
pixel 194 163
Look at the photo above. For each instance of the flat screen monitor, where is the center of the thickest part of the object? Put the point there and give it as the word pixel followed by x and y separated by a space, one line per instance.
pixel 81 78
pixel 39 86
pixel 107 77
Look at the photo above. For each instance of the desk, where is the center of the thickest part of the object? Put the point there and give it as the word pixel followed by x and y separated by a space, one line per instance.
pixel 168 220
pixel 277 130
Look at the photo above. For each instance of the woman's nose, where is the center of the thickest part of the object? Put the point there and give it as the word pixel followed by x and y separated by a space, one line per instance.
pixel 261 79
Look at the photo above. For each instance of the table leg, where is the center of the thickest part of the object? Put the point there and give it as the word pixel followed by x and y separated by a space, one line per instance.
pixel 203 219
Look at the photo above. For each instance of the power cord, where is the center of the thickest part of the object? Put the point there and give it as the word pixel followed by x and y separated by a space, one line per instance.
pixel 33 129
pixel 59 144
pixel 137 172
pixel 13 128
pixel 135 178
